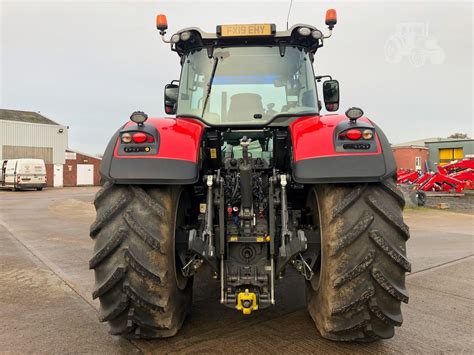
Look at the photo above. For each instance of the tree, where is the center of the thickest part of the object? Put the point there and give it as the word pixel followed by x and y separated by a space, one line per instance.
pixel 459 135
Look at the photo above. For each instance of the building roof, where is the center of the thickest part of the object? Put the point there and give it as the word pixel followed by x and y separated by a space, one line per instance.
pixel 25 116
pixel 394 147
pixel 423 142
pixel 69 150
pixel 416 143
pixel 445 140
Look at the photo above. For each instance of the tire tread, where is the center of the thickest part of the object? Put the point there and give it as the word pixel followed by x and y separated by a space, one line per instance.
pixel 134 261
pixel 363 275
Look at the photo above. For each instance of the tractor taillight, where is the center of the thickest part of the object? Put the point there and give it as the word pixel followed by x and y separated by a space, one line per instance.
pixel 354 134
pixel 139 137
pixel 149 139
pixel 126 138
pixel 367 134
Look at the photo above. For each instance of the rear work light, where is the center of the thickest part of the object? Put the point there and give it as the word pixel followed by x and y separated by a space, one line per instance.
pixel 184 36
pixel 304 31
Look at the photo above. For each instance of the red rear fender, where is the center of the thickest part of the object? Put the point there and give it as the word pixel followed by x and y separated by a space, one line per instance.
pixel 170 157
pixel 178 139
pixel 314 137
pixel 321 154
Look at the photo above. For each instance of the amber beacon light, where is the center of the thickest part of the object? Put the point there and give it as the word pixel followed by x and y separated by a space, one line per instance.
pixel 161 23
pixel 331 18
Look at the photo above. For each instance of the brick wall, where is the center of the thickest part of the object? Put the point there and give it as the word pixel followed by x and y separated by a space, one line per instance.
pixel 70 173
pixel 49 174
pixel 405 157
pixel 70 169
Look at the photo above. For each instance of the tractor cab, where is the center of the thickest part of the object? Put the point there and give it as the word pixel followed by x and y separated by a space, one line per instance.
pixel 246 75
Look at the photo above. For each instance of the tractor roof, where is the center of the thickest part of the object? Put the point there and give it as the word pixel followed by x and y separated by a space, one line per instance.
pixel 301 35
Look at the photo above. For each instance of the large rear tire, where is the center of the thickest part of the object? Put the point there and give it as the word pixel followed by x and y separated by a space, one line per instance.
pixel 357 293
pixel 141 292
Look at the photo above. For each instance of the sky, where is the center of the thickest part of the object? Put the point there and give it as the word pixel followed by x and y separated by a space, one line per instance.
pixel 90 64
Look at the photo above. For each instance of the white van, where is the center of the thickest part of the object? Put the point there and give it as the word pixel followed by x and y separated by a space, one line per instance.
pixel 19 174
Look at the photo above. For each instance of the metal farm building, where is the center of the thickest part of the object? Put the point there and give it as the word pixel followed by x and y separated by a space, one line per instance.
pixel 444 151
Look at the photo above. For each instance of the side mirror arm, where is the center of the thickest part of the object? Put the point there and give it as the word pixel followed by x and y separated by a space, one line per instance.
pixel 320 77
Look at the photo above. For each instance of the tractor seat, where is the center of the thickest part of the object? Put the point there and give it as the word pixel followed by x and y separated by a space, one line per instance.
pixel 244 106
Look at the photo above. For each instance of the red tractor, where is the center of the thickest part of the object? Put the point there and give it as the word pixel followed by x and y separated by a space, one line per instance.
pixel 251 179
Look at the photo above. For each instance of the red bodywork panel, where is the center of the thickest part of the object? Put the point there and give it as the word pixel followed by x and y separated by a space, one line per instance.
pixel 179 139
pixel 313 137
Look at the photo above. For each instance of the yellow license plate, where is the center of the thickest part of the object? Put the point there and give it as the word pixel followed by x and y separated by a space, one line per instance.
pixel 264 29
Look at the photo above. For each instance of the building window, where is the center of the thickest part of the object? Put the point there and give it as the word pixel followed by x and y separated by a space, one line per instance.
pixel 447 155
pixel 417 163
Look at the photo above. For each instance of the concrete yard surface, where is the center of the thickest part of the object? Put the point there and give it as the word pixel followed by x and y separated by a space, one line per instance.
pixel 46 305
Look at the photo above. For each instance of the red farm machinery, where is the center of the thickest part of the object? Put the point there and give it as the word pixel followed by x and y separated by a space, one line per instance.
pixel 453 177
